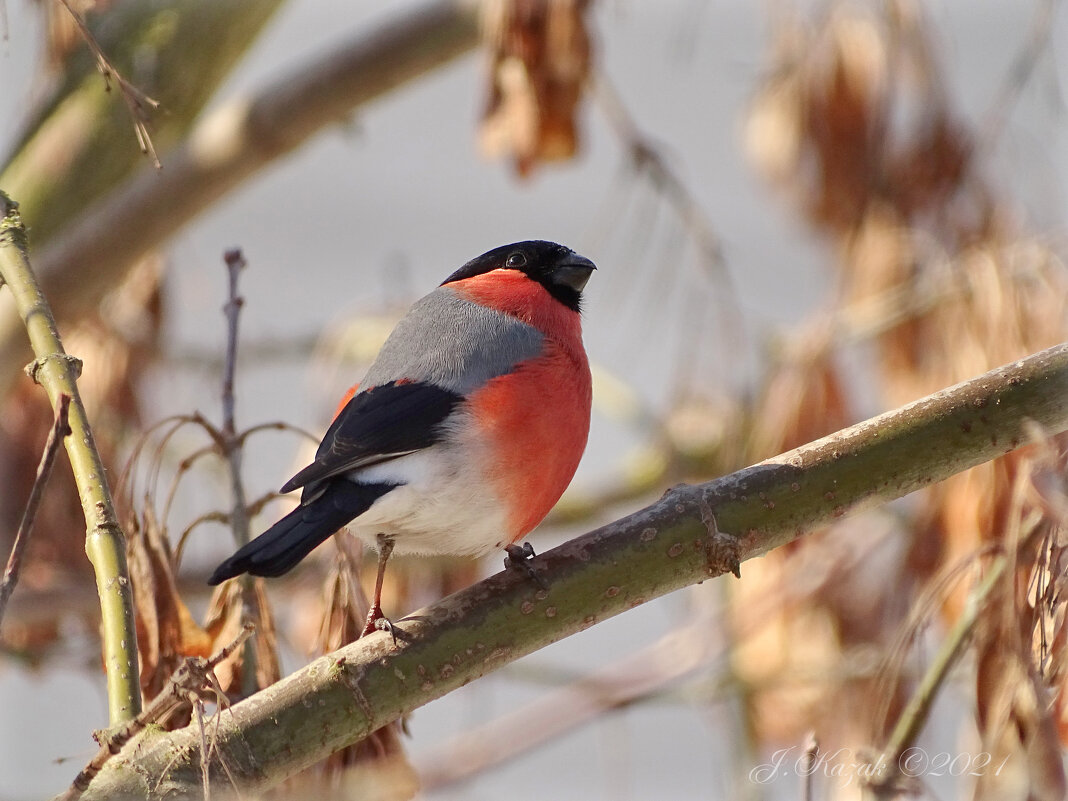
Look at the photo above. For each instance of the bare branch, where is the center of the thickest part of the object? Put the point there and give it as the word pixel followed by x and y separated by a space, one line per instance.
pixel 232 143
pixel 915 715
pixel 60 429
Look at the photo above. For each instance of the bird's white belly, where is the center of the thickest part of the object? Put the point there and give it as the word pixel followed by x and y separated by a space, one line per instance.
pixel 443 506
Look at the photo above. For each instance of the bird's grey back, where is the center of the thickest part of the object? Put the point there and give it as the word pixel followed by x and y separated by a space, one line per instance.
pixel 454 343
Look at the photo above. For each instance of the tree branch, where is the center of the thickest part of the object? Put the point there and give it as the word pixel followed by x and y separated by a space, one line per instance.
pixel 680 540
pixel 59 430
pixel 194 677
pixel 105 543
pixel 234 142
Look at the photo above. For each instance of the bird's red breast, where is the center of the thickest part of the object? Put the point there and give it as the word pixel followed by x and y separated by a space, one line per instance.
pixel 535 418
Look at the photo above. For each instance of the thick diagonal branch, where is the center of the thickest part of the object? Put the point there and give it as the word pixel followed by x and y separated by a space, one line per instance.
pixel 692 534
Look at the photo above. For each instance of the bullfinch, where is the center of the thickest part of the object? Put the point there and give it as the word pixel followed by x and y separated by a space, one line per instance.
pixel 464 432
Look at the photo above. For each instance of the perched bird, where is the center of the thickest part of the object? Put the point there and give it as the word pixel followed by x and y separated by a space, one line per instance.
pixel 466 429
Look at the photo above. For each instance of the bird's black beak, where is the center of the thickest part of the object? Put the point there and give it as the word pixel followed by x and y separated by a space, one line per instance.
pixel 573 271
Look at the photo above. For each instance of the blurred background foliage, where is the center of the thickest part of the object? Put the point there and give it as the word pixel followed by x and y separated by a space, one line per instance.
pixel 936 274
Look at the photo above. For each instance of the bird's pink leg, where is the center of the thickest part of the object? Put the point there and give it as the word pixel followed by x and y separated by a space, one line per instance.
pixel 376 621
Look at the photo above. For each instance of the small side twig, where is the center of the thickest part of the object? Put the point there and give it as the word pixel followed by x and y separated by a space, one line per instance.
pixel 136 101
pixel 646 157
pixel 60 429
pixel 194 677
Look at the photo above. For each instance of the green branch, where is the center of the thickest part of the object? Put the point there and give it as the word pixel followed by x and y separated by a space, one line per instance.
pixel 692 534
pixel 105 543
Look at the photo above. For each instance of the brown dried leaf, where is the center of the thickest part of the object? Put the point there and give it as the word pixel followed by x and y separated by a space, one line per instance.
pixel 803 400
pixel 950 289
pixel 227 614
pixel 166 631
pixel 539 63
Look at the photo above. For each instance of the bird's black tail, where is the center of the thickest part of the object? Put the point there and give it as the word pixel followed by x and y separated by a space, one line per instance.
pixel 283 545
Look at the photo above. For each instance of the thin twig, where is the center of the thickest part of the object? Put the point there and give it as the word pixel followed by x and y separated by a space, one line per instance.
pixel 205 777
pixel 918 709
pixel 136 101
pixel 194 676
pixel 931 597
pixel 235 262
pixel 231 441
pixel 647 159
pixel 1037 43
pixel 60 429
pixel 216 516
pixel 232 447
pixel 812 749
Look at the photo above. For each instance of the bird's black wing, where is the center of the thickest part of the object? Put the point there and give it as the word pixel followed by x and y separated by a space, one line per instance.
pixel 378 424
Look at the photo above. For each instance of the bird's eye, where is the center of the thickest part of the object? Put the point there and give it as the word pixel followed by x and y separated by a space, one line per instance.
pixel 517 259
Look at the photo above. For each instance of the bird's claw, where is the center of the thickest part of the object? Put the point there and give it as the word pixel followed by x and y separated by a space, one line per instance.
pixel 518 558
pixel 376 621
pixel 385 624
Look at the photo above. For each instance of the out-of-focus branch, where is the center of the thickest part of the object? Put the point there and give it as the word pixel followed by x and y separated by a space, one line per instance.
pixel 674 543
pixel 76 145
pixel 231 144
pixel 136 101
pixel 671 658
pixel 105 543
pixel 1036 45
pixel 648 160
